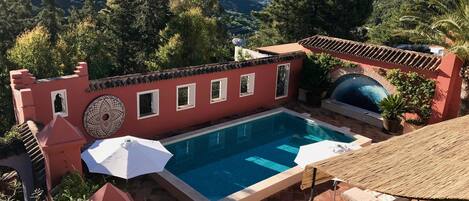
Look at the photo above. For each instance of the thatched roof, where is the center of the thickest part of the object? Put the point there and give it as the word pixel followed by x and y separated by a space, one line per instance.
pixel 429 163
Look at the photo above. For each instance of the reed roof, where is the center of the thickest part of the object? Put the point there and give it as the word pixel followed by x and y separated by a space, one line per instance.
pixel 429 163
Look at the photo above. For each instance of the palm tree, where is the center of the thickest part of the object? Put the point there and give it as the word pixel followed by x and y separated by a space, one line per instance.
pixel 447 26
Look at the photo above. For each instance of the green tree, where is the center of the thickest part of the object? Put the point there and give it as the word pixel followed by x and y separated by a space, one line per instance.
pixel 447 25
pixel 130 30
pixel 151 18
pixel 385 21
pixel 120 22
pixel 285 21
pixel 16 16
pixel 191 39
pixel 85 42
pixel 51 17
pixel 211 8
pixel 34 51
pixel 87 11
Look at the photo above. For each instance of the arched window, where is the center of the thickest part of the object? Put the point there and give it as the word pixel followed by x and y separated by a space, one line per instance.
pixel 59 103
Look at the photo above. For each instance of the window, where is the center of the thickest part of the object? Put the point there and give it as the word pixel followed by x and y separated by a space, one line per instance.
pixel 183 151
pixel 59 103
pixel 147 104
pixel 244 133
pixel 185 97
pixel 246 85
pixel 216 140
pixel 283 74
pixel 218 90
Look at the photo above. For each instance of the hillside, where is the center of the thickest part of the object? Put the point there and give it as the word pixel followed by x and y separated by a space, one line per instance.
pixel 238 17
pixel 243 6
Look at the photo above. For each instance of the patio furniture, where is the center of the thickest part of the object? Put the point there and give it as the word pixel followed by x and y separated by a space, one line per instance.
pixel 126 157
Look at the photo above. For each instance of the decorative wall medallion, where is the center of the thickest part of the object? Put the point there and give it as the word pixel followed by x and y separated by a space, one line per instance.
pixel 104 116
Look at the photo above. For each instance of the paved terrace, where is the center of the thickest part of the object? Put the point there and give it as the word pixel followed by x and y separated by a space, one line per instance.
pixel 145 189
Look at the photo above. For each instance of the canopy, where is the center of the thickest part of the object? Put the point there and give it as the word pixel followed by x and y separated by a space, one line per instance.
pixel 429 163
pixel 318 151
pixel 126 157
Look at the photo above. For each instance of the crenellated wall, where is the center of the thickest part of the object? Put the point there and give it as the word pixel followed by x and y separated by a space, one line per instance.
pixel 32 98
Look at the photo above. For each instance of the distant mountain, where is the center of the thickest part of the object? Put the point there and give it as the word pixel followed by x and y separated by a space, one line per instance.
pixel 244 6
pixel 238 12
pixel 66 5
pixel 239 19
pixel 241 6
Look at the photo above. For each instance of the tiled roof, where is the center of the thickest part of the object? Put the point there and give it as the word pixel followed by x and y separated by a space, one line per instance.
pixel 140 78
pixel 374 52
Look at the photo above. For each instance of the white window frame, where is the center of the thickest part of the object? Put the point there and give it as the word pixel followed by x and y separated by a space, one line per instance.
pixel 287 81
pixel 64 102
pixel 223 90
pixel 251 84
pixel 220 141
pixel 155 103
pixel 191 95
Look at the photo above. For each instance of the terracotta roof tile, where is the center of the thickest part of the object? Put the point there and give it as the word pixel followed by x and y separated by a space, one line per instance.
pixel 139 78
pixel 386 54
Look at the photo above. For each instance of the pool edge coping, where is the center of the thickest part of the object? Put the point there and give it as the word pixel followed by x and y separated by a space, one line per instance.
pixel 268 186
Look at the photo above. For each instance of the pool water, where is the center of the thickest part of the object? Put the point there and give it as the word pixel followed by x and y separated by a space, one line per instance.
pixel 228 160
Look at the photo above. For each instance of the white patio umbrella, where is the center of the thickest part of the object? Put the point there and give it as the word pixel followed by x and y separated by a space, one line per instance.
pixel 318 151
pixel 126 157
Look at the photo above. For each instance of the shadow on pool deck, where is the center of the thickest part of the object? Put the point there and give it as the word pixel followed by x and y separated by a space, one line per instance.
pixel 361 128
pixel 324 192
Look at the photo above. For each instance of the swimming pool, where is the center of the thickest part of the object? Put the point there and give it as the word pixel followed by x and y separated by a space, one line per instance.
pixel 221 160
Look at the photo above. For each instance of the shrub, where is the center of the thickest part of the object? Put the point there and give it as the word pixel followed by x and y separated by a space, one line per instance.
pixel 73 187
pixel 416 90
pixel 316 69
pixel 11 144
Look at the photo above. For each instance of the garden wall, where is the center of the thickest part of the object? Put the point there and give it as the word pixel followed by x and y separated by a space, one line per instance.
pixel 33 101
pixel 445 70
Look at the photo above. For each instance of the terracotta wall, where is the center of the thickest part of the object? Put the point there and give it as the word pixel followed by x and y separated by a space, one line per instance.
pixel 447 99
pixel 168 119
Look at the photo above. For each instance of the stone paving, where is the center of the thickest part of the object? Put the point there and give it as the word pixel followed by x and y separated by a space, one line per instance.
pixel 361 128
pixel 324 192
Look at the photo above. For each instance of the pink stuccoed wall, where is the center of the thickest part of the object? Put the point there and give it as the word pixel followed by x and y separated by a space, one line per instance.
pixel 33 102
pixel 447 100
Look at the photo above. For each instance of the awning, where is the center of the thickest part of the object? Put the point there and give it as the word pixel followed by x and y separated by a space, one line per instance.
pixel 430 163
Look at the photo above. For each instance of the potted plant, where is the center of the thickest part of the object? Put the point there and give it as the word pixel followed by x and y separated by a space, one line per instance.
pixel 392 109
pixel 315 78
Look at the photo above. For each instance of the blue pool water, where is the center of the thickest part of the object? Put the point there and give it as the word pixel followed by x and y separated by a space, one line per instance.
pixel 225 161
pixel 360 91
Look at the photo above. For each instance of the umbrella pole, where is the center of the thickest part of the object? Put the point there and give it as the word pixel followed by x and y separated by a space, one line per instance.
pixel 335 188
pixel 311 196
